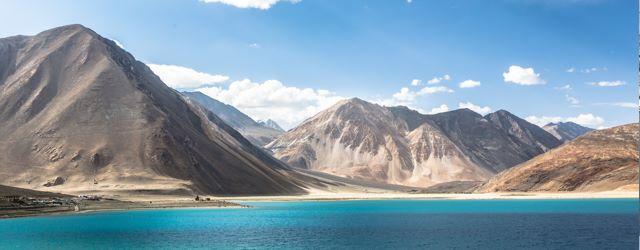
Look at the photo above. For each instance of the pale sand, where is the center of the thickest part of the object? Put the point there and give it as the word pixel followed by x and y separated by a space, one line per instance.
pixel 316 195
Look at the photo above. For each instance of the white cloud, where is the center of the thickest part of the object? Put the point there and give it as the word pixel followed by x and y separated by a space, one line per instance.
pixel 522 76
pixel 439 79
pixel 608 83
pixel 574 101
pixel 404 97
pixel 469 84
pixel 566 87
pixel 543 120
pixel 476 108
pixel 254 45
pixel 587 120
pixel 620 104
pixel 182 77
pixel 409 1
pixel 571 70
pixel 433 90
pixel 440 109
pixel 593 69
pixel 257 4
pixel 416 82
pixel 288 106
pixel 118 43
pixel 407 97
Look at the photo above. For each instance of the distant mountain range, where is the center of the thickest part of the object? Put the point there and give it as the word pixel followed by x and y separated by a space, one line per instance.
pixel 600 160
pixel 259 133
pixel 80 114
pixel 396 145
pixel 566 131
pixel 270 124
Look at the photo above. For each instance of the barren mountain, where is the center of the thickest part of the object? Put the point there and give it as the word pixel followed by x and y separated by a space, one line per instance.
pixel 398 145
pixel 271 124
pixel 258 133
pixel 566 131
pixel 79 114
pixel 600 160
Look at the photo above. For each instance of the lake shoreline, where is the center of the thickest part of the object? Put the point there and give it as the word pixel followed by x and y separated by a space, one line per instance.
pixel 323 196
pixel 139 203
pixel 116 205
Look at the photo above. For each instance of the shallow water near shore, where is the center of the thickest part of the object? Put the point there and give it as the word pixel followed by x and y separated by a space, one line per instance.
pixel 357 224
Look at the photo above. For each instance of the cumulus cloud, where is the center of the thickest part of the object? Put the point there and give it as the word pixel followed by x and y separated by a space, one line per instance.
pixel 522 76
pixel 439 79
pixel 287 105
pixel 404 97
pixel 416 82
pixel 182 77
pixel 544 120
pixel 571 70
pixel 433 90
pixel 254 45
pixel 587 120
pixel 440 109
pixel 257 4
pixel 469 84
pixel 608 83
pixel 407 97
pixel 476 108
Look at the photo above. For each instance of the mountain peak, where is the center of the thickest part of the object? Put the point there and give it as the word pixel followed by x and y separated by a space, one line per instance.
pixel 270 124
pixel 566 131
pixel 87 111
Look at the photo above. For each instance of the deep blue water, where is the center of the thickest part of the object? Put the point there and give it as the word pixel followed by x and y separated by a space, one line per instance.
pixel 399 224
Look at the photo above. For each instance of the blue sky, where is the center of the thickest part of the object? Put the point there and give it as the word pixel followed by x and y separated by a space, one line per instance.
pixel 288 60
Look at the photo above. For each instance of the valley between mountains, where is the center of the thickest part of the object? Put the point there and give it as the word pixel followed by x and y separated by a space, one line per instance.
pixel 80 115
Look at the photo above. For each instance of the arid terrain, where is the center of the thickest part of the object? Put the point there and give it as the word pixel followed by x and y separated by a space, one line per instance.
pixel 85 126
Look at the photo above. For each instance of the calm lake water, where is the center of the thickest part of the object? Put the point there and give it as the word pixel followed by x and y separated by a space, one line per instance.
pixel 399 224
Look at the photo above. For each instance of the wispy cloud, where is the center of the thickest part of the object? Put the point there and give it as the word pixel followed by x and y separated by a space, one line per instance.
pixel 572 100
pixel 256 4
pixel 566 88
pixel 630 105
pixel 608 83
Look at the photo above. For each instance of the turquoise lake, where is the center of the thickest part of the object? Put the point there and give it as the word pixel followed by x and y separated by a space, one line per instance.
pixel 367 224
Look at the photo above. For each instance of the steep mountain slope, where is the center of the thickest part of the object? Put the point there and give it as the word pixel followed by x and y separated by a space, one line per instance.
pixel 566 131
pixel 352 138
pixel 397 145
pixel 523 130
pixel 600 160
pixel 271 124
pixel 77 109
pixel 257 133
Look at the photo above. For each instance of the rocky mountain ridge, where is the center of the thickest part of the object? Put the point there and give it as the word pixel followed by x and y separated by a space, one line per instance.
pixel 398 145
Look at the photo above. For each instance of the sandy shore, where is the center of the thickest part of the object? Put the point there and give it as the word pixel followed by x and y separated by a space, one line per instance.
pixel 166 202
pixel 319 196
pixel 116 205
